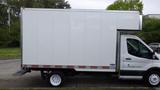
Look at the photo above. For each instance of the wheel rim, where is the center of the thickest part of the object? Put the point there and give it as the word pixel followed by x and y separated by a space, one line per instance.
pixel 154 79
pixel 55 80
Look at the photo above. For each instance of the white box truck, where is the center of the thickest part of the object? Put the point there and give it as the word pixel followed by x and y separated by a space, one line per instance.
pixel 61 43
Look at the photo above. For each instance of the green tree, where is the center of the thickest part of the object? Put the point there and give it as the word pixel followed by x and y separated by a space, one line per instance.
pixel 3 15
pixel 4 36
pixel 132 5
pixel 12 38
pixel 17 4
pixel 151 30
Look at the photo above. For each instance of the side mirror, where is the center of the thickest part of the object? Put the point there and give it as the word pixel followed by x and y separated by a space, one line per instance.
pixel 154 55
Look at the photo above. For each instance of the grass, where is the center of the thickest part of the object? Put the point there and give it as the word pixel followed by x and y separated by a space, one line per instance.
pixel 10 53
pixel 81 88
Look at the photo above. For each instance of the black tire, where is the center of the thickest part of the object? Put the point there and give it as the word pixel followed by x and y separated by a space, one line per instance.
pixel 56 79
pixel 152 79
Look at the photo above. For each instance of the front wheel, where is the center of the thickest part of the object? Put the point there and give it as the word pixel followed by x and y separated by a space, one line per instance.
pixel 56 79
pixel 153 79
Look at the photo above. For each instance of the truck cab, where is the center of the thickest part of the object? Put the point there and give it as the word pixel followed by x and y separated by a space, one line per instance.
pixel 138 60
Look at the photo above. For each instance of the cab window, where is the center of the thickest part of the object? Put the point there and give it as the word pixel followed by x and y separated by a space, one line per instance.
pixel 136 48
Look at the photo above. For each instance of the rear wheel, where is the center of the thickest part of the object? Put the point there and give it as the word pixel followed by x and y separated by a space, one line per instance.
pixel 153 79
pixel 56 79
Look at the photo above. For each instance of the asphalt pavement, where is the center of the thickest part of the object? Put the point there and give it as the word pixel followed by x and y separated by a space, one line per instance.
pixel 33 79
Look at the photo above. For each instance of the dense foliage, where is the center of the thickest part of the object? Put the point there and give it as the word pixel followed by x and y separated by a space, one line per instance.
pixel 126 5
pixel 151 30
pixel 151 26
pixel 10 27
pixel 3 15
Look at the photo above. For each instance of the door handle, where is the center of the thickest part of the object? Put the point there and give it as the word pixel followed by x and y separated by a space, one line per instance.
pixel 128 58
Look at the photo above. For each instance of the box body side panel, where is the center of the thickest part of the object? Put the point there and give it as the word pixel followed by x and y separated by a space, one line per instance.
pixel 70 38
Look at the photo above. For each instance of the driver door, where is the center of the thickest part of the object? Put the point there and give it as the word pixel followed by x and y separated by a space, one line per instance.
pixel 135 57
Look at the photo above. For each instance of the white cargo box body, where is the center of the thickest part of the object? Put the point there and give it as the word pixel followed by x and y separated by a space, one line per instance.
pixel 81 39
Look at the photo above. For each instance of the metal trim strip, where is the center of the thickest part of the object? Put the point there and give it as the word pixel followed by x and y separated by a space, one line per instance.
pixel 66 66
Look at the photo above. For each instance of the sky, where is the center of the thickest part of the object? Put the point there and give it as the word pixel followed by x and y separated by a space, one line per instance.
pixel 150 6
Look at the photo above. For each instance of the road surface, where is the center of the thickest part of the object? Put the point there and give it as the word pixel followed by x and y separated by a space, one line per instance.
pixel 33 79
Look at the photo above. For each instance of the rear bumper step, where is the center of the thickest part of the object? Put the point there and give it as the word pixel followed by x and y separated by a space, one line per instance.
pixel 21 72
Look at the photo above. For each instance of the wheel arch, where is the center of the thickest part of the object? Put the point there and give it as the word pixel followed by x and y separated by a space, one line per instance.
pixel 151 70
